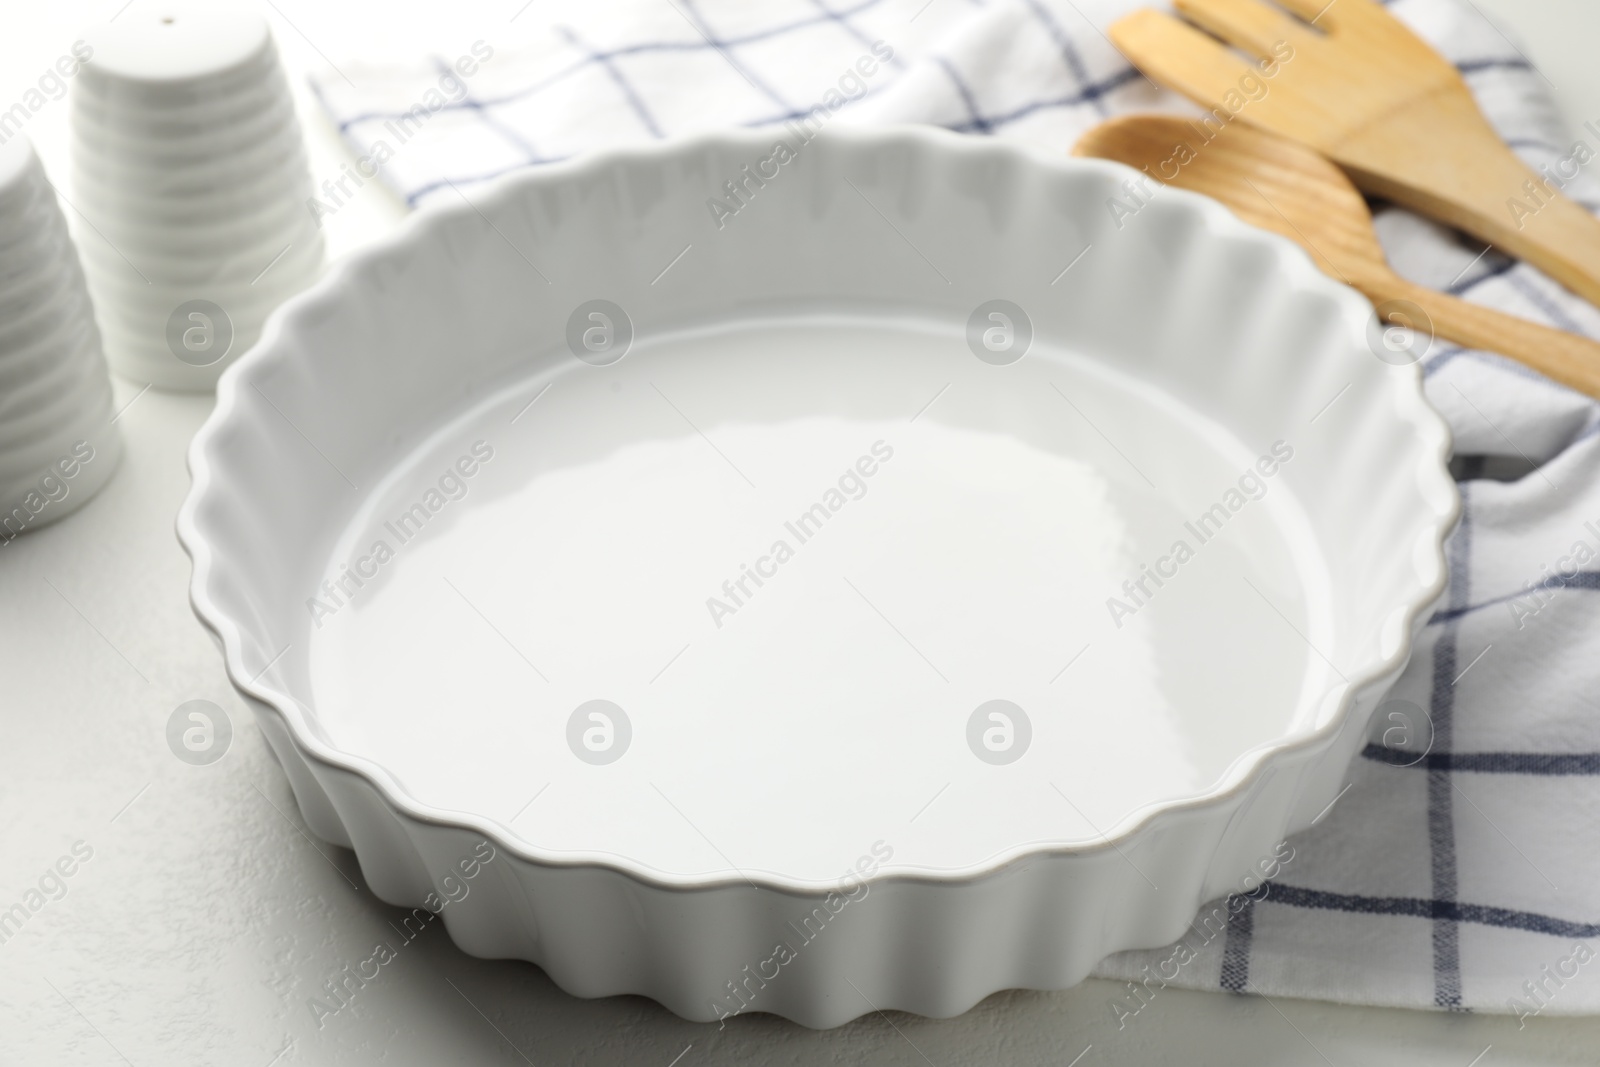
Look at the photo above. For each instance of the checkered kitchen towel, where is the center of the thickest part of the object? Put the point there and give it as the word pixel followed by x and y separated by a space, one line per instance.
pixel 1466 879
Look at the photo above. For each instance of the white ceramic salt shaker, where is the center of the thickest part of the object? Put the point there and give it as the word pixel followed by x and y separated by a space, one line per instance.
pixel 189 166
pixel 58 445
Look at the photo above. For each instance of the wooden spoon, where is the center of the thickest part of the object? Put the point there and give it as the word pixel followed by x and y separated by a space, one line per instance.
pixel 1286 188
pixel 1352 82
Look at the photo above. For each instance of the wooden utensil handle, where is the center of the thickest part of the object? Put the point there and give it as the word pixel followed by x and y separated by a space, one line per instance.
pixel 1493 195
pixel 1572 360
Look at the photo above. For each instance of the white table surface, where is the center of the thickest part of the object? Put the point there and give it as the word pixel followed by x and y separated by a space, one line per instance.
pixel 206 917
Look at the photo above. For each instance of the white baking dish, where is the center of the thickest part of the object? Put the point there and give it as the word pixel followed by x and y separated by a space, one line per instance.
pixel 771 556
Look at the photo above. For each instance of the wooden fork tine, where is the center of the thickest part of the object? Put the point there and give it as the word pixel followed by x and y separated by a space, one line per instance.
pixel 1249 25
pixel 1323 14
pixel 1178 56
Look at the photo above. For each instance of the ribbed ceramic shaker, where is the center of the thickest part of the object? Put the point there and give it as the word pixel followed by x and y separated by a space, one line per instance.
pixel 58 445
pixel 189 166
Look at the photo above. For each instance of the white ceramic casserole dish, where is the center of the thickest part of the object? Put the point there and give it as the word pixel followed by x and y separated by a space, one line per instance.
pixel 772 557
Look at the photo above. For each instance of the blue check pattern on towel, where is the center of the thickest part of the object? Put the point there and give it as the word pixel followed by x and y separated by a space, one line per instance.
pixel 1463 880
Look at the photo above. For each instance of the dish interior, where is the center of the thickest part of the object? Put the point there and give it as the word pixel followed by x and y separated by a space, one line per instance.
pixel 799 553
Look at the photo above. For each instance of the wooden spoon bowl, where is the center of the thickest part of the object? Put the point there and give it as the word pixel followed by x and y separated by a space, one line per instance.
pixel 1284 187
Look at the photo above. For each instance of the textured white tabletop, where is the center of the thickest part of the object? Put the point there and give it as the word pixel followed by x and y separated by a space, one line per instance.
pixel 205 918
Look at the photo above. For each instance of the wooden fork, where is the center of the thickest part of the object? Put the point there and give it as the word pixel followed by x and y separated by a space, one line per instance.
pixel 1366 92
